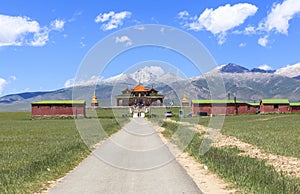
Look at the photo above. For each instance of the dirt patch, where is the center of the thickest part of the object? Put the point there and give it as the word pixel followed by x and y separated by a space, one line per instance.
pixel 288 165
pixel 207 181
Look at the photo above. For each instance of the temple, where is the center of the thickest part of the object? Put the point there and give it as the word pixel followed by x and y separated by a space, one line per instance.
pixel 139 96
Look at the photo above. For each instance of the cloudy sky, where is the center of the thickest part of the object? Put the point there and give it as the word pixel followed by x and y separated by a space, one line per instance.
pixel 42 43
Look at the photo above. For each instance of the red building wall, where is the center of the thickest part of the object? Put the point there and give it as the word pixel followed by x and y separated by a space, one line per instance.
pixel 57 110
pixel 295 108
pixel 270 108
pixel 253 109
pixel 223 109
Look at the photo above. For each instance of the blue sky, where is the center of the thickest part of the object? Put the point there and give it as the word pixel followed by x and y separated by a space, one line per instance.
pixel 42 43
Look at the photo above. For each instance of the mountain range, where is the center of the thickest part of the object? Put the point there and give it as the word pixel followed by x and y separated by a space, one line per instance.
pixel 247 85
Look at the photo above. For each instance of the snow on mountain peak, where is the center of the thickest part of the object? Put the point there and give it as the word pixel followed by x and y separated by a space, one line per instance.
pixel 147 74
pixel 289 71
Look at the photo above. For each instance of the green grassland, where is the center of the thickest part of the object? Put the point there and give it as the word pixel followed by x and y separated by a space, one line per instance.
pixel 248 174
pixel 32 152
pixel 273 133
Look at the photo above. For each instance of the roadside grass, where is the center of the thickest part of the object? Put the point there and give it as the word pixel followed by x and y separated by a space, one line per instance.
pixel 249 174
pixel 33 152
pixel 274 133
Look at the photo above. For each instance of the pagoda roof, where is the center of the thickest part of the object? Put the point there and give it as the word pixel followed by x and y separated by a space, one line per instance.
pixel 139 88
pixel 152 89
pixel 127 90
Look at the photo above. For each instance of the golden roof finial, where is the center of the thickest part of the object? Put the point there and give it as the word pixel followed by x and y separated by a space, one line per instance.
pixel 94 99
pixel 185 98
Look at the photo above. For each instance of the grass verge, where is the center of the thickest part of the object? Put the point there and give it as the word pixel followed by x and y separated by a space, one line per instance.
pixel 250 175
pixel 274 133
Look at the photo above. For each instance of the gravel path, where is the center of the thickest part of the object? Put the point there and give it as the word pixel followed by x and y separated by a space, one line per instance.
pixel 134 160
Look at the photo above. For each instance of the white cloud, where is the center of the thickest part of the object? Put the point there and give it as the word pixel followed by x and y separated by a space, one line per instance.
pixel 250 30
pixel 263 41
pixel 3 82
pixel 40 38
pixel 19 31
pixel 14 78
pixel 218 21
pixel 280 15
pixel 226 17
pixel 82 44
pixel 265 67
pixel 124 39
pixel 13 29
pixel 112 20
pixel 57 24
pixel 183 14
pixel 74 82
pixel 242 44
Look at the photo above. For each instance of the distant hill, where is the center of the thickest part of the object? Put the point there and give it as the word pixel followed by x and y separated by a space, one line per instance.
pixel 248 85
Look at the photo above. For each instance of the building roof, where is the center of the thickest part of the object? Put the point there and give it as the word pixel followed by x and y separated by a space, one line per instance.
pixel 294 103
pixel 275 101
pixel 139 88
pixel 215 102
pixel 123 96
pixel 153 90
pixel 126 91
pixel 253 103
pixel 49 102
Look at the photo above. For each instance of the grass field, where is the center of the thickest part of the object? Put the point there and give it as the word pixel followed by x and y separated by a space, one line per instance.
pixel 32 152
pixel 248 174
pixel 273 133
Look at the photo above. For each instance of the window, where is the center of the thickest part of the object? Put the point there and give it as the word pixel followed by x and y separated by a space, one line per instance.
pixel 275 106
pixel 248 107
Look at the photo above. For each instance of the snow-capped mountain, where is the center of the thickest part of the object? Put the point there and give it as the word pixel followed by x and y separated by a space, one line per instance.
pixel 148 74
pixel 292 71
pixel 245 84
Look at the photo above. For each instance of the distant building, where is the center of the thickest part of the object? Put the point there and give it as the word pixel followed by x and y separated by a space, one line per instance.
pixel 226 107
pixel 207 107
pixel 295 106
pixel 185 101
pixel 58 108
pixel 139 96
pixel 274 106
pixel 94 103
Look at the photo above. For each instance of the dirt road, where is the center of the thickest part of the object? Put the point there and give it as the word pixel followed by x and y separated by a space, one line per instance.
pixel 134 160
